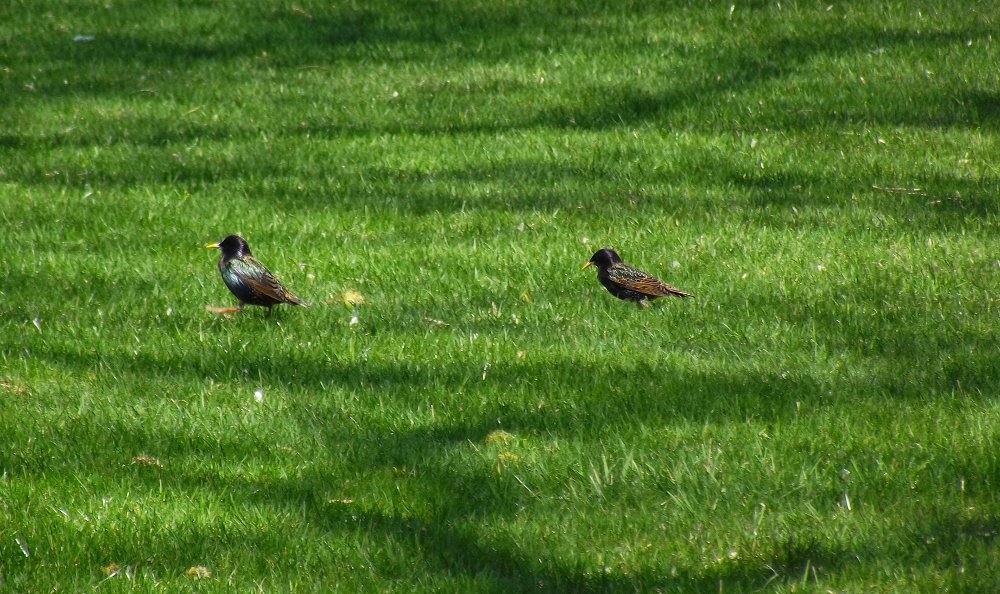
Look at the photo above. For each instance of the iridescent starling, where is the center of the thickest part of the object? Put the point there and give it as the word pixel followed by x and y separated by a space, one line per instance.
pixel 248 279
pixel 625 282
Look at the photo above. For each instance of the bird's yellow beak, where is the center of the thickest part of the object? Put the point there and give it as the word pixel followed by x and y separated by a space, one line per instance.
pixel 212 245
pixel 584 267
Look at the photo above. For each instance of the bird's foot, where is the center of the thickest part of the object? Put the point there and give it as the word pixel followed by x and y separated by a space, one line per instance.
pixel 643 304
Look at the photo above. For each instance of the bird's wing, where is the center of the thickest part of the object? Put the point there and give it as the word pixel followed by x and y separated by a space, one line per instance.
pixel 641 282
pixel 259 279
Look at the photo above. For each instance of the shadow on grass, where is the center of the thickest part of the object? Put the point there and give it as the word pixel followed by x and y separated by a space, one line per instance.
pixel 700 91
pixel 436 534
pixel 601 188
pixel 612 395
pixel 562 396
pixel 437 530
pixel 497 33
pixel 898 358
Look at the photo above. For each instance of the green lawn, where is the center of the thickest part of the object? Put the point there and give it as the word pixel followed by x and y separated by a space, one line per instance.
pixel 822 416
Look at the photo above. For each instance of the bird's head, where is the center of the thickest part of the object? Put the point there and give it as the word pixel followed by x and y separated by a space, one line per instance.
pixel 233 246
pixel 603 258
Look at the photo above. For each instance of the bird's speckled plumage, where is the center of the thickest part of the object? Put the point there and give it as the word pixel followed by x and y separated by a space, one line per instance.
pixel 628 283
pixel 248 279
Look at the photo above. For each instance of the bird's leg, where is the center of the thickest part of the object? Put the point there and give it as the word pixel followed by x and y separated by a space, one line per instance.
pixel 643 304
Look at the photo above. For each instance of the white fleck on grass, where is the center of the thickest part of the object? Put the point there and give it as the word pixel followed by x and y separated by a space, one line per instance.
pixel 845 475
pixel 258 395
pixel 24 547
pixel 37 323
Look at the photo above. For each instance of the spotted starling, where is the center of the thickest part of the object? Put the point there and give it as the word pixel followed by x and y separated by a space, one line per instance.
pixel 625 282
pixel 247 278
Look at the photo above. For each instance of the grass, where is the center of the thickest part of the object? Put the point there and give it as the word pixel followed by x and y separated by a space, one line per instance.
pixel 822 416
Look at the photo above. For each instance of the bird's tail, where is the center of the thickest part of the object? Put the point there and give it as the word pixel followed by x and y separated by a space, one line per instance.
pixel 294 299
pixel 675 292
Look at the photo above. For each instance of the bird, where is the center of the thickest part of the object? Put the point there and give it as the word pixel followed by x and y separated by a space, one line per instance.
pixel 628 283
pixel 248 279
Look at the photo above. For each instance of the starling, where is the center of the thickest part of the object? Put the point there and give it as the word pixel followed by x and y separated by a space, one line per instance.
pixel 625 282
pixel 248 279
